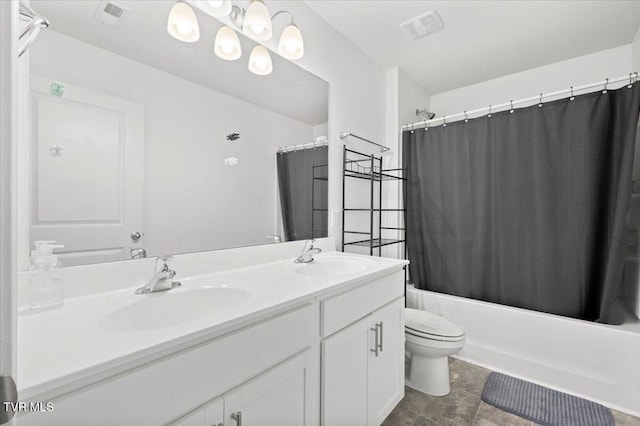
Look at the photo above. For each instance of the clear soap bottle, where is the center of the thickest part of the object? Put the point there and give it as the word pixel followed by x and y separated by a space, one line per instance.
pixel 46 289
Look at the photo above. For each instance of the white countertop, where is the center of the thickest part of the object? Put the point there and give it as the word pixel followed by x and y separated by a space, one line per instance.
pixel 89 338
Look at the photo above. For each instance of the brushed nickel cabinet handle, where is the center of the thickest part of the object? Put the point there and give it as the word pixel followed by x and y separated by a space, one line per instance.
pixel 381 334
pixel 377 344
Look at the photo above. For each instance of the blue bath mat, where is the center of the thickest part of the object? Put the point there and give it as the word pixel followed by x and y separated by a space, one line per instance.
pixel 542 405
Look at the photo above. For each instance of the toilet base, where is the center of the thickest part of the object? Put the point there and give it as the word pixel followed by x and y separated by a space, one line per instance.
pixel 429 375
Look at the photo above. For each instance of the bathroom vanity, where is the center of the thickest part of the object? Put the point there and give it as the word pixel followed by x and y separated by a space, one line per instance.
pixel 256 341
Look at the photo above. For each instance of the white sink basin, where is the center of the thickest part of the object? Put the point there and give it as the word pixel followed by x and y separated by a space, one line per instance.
pixel 329 266
pixel 173 307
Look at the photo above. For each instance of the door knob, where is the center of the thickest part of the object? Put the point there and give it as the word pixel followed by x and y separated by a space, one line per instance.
pixel 135 236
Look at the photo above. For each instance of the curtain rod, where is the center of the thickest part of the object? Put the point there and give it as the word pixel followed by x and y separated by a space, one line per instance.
pixel 303 146
pixel 631 78
pixel 347 134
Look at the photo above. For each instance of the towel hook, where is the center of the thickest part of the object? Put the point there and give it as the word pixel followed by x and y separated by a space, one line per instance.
pixel 489 115
pixel 540 102
pixel 572 97
pixel 511 104
pixel 605 86
pixel 466 119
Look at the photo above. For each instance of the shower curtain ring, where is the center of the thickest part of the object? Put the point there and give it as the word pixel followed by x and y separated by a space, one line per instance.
pixel 444 121
pixel 572 97
pixel 540 103
pixel 511 108
pixel 606 82
pixel 412 126
pixel 466 119
pixel 632 79
pixel 489 115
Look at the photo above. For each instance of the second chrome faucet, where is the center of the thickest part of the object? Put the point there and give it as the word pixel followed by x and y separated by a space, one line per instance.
pixel 307 252
pixel 162 279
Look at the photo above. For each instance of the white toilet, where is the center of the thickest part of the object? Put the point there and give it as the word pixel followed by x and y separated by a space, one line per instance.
pixel 430 339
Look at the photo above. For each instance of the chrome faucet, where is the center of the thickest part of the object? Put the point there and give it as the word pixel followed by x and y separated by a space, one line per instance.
pixel 307 252
pixel 275 238
pixel 162 279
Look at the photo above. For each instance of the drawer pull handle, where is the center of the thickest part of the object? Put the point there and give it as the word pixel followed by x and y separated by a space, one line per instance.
pixel 237 417
pixel 376 349
pixel 381 334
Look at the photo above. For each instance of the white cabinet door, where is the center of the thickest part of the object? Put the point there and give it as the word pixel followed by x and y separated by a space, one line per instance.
pixel 276 398
pixel 214 413
pixel 386 370
pixel 344 375
pixel 101 138
pixel 211 414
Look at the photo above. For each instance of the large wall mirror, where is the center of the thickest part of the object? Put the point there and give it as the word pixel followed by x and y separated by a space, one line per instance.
pixel 143 145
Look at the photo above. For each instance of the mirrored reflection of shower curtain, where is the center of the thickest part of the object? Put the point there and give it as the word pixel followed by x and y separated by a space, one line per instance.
pixel 303 184
pixel 525 209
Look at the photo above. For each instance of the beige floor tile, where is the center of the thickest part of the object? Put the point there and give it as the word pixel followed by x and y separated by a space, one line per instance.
pixel 499 417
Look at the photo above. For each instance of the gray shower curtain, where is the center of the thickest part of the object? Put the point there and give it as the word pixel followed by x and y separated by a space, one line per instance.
pixel 526 208
pixel 303 185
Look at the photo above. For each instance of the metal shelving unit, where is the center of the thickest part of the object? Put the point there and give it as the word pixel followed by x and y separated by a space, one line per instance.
pixel 320 176
pixel 357 165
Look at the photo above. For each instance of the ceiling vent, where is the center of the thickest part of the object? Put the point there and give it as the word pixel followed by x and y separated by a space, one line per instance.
pixel 422 25
pixel 110 13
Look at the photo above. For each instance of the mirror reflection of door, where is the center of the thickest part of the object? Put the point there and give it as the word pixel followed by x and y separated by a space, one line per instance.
pixel 303 183
pixel 87 174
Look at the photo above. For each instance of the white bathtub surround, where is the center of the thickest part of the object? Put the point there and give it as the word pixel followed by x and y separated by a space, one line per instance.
pixel 107 342
pixel 595 361
pixel 430 339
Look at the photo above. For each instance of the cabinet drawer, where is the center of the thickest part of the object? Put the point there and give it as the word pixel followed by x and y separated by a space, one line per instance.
pixel 168 388
pixel 339 311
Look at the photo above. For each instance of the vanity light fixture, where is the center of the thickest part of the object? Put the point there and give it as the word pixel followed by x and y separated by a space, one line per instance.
pixel 227 44
pixel 260 61
pixel 182 23
pixel 217 8
pixel 291 45
pixel 257 21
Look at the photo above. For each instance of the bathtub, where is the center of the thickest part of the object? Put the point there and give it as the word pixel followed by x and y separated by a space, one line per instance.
pixel 594 361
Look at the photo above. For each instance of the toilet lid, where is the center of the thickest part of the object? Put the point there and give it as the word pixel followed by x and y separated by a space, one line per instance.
pixel 430 324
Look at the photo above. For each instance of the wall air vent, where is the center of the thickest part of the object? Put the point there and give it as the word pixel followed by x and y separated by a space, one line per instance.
pixel 110 13
pixel 422 25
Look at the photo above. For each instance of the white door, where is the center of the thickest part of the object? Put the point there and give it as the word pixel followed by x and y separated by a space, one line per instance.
pixel 277 398
pixel 8 129
pixel 87 176
pixel 344 375
pixel 386 370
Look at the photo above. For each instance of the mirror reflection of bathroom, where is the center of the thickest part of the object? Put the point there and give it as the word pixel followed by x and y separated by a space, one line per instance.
pixel 143 146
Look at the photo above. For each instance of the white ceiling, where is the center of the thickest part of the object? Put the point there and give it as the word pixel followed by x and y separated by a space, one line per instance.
pixel 481 40
pixel 143 37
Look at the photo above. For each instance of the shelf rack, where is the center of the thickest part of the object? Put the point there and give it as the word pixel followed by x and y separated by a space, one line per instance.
pixel 320 176
pixel 357 165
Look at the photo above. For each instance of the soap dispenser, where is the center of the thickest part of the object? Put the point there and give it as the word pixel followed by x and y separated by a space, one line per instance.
pixel 45 278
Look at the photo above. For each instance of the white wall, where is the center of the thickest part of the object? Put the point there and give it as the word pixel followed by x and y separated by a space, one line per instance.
pixel 585 69
pixel 635 59
pixel 192 201
pixel 320 130
pixel 404 96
